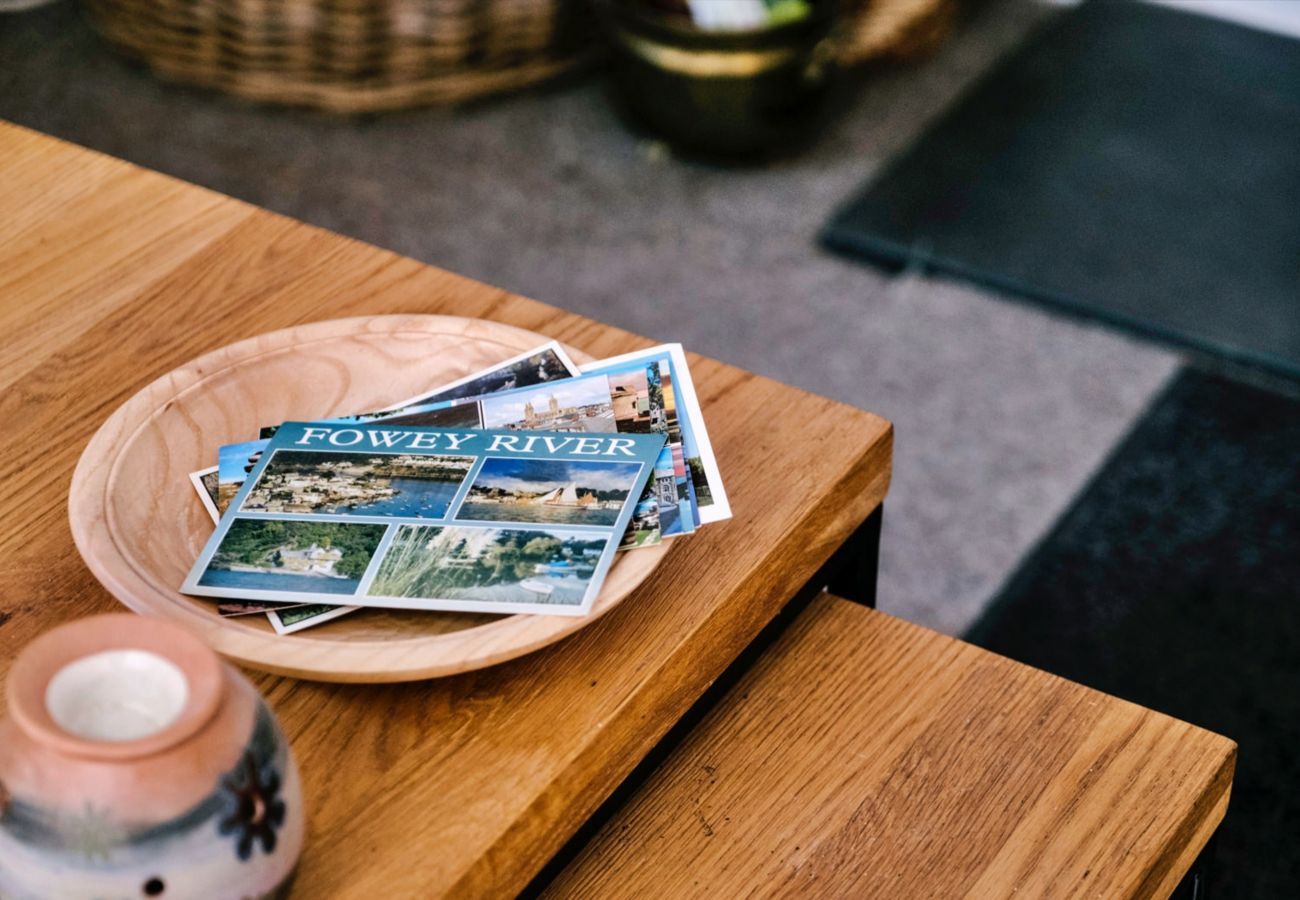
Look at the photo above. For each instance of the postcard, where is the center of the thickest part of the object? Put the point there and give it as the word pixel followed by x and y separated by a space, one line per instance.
pixel 710 496
pixel 642 389
pixel 540 365
pixel 205 485
pixel 399 516
pixel 231 608
pixel 289 619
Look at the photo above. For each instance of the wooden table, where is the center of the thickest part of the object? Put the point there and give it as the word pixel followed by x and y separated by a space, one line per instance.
pixel 984 775
pixel 111 276
pixel 863 756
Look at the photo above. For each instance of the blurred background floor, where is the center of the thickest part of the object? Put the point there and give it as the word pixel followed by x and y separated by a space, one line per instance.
pixel 1002 411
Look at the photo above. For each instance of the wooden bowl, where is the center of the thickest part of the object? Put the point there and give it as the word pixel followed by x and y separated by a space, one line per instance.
pixel 139 526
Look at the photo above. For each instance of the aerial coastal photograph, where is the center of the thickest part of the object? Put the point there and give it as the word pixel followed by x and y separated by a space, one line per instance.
pixel 268 555
pixel 361 484
pixel 549 491
pixel 501 565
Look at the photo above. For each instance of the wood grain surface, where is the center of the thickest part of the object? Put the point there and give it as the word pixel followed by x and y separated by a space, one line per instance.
pixel 111 276
pixel 139 532
pixel 867 757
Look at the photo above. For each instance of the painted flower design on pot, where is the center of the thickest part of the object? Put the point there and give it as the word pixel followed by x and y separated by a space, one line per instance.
pixel 253 809
pixel 92 834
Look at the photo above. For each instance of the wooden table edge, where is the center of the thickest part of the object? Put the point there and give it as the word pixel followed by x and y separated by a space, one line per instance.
pixel 1168 867
pixel 1216 796
pixel 1161 881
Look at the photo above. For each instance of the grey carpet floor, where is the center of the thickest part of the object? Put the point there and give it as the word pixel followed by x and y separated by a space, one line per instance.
pixel 1002 411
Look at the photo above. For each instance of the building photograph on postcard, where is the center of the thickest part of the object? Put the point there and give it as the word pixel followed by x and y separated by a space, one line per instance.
pixel 360 484
pixel 556 492
pixel 577 405
pixel 271 555
pixel 490 565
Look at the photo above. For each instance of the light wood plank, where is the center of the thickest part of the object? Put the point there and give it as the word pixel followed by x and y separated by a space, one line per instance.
pixel 83 235
pixel 466 785
pixel 868 757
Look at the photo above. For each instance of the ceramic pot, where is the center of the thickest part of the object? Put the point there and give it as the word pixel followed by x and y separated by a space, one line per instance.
pixel 134 763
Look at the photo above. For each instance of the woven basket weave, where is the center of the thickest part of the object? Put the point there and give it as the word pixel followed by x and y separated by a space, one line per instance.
pixel 354 56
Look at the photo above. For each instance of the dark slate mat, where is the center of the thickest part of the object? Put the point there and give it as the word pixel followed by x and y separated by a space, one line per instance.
pixel 1129 162
pixel 1174 582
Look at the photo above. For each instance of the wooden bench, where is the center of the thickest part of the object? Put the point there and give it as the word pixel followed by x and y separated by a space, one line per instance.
pixel 867 757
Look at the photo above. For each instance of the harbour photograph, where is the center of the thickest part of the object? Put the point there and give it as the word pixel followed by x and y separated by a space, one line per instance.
pixel 315 557
pixel 577 405
pixel 360 484
pixel 490 565
pixel 548 491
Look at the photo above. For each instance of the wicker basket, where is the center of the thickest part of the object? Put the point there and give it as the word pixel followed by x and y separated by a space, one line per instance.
pixel 354 56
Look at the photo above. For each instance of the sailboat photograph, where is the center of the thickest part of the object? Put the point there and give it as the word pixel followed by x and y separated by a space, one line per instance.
pixel 549 491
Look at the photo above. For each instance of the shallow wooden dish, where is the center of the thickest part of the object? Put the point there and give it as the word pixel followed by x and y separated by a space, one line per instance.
pixel 139 526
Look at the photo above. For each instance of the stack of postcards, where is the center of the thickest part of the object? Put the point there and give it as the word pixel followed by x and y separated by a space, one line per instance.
pixel 509 491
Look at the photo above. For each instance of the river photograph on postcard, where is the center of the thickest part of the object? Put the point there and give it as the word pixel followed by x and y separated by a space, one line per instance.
pixel 547 491
pixel 315 557
pixel 357 484
pixel 489 565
